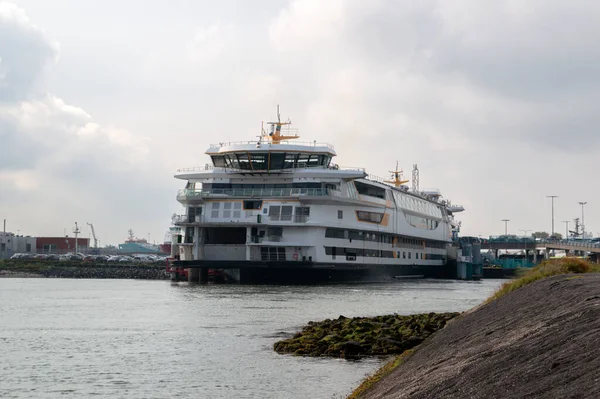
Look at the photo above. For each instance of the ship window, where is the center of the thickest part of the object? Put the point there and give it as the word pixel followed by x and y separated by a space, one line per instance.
pixel 303 160
pixel 290 161
pixel 281 253
pixel 232 161
pixel 227 210
pixel 276 160
pixel 265 210
pixel 403 255
pixel 370 190
pixel 252 204
pixel 340 214
pixel 313 160
pixel 274 213
pixel 218 161
pixel 244 161
pixel 373 217
pixel 409 255
pixel 303 210
pixel 264 253
pixel 286 212
pixel 259 161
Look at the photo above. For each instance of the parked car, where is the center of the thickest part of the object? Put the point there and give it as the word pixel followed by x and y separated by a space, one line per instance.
pixel 16 256
pixel 114 258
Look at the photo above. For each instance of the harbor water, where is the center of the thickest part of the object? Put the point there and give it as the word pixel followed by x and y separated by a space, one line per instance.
pixel 154 339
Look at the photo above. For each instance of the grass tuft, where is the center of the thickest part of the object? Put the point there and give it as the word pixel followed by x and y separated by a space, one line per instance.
pixel 545 269
pixel 379 374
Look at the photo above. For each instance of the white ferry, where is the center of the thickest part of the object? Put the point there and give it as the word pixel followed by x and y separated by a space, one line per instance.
pixel 278 210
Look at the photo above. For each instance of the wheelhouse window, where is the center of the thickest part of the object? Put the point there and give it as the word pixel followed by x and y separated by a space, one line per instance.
pixel 219 161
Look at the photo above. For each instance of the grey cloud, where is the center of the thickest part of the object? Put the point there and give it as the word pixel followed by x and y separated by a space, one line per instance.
pixel 24 51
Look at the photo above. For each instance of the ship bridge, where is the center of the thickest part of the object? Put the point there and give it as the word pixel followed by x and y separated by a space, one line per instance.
pixel 269 156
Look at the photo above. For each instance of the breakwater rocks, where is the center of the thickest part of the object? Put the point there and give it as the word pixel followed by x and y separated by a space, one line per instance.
pixel 539 341
pixel 143 272
pixel 357 337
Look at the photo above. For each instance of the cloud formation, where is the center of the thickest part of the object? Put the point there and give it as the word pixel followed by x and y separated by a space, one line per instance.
pixel 56 163
pixel 495 100
pixel 25 50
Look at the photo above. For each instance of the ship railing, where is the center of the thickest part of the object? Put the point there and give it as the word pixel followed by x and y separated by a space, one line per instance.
pixel 202 168
pixel 209 168
pixel 256 192
pixel 376 179
pixel 186 219
pixel 215 147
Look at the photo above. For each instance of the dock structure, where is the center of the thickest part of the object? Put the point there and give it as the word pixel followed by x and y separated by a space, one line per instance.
pixel 543 247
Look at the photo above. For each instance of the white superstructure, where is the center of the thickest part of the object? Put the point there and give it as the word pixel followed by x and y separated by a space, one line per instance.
pixel 277 203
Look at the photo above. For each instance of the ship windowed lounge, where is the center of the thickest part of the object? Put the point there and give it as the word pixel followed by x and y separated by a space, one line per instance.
pixel 370 190
pixel 270 160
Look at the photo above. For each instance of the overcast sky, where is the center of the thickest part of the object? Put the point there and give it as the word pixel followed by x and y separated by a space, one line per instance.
pixel 100 101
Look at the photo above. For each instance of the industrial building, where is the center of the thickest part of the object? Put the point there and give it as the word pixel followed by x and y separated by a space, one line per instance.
pixel 11 243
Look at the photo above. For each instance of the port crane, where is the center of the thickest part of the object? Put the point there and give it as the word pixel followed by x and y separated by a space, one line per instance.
pixel 93 235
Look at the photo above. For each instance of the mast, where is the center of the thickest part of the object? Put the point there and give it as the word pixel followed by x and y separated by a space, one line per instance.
pixel 396 177
pixel 76 231
pixel 275 131
pixel 415 178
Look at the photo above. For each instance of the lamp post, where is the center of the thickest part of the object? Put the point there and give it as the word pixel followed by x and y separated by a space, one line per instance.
pixel 566 222
pixel 506 226
pixel 552 197
pixel 525 253
pixel 582 221
pixel 525 232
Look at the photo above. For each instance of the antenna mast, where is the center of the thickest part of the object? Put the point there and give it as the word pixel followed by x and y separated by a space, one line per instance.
pixel 76 231
pixel 415 178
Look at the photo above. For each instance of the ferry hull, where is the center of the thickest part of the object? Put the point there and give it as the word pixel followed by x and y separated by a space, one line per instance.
pixel 250 272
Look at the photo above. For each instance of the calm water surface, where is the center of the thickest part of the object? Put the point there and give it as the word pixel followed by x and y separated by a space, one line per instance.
pixel 155 339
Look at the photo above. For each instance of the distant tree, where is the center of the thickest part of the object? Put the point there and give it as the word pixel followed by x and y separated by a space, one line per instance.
pixel 556 236
pixel 540 234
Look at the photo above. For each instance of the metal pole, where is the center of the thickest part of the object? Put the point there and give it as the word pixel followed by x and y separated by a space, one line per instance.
pixel 506 226
pixel 582 221
pixel 566 222
pixel 552 197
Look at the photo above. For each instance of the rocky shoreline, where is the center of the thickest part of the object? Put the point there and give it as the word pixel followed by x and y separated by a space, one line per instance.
pixel 536 338
pixel 103 271
pixel 353 338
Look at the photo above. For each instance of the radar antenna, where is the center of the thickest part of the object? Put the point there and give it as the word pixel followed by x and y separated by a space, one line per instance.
pixel 396 177
pixel 415 178
pixel 275 131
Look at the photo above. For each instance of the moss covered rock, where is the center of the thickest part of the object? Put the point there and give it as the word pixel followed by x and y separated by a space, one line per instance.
pixel 357 337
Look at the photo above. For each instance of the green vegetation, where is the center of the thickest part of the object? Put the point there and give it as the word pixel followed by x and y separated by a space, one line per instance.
pixel 352 338
pixel 545 269
pixel 379 374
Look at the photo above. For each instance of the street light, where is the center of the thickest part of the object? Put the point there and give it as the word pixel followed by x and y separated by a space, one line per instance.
pixel 506 226
pixel 525 246
pixel 566 229
pixel 552 197
pixel 582 222
pixel 525 232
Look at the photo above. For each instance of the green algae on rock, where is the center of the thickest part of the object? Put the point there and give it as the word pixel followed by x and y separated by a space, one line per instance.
pixel 357 337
